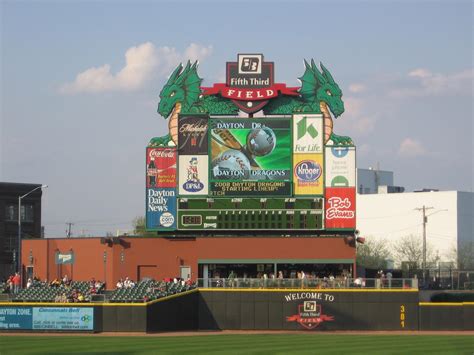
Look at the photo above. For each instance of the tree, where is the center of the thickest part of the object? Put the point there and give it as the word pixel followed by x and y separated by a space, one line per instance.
pixel 139 228
pixel 410 249
pixel 465 256
pixel 373 254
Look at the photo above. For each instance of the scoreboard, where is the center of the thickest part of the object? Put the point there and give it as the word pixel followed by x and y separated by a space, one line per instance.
pixel 250 174
pixel 221 171
pixel 250 214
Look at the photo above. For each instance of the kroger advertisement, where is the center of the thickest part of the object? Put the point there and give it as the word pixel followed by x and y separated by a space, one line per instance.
pixel 308 174
pixel 250 151
pixel 161 209
pixel 47 318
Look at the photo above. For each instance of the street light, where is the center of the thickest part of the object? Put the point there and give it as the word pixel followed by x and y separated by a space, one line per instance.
pixel 19 223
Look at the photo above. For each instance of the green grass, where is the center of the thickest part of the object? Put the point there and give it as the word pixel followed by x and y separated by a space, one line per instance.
pixel 315 343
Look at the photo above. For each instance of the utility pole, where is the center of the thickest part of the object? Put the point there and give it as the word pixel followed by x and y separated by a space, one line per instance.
pixel 425 220
pixel 68 231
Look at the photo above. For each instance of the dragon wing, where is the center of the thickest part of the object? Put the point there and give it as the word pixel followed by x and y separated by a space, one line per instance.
pixel 309 83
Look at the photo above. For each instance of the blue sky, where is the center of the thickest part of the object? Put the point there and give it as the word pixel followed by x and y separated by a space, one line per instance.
pixel 77 116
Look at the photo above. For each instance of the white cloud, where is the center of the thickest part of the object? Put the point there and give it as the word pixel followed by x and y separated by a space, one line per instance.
pixel 411 148
pixel 425 83
pixel 357 88
pixel 358 117
pixel 141 63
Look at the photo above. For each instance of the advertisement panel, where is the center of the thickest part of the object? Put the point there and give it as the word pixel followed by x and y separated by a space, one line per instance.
pixel 47 318
pixel 308 134
pixel 250 156
pixel 63 318
pixel 193 175
pixel 192 135
pixel 161 209
pixel 16 318
pixel 308 174
pixel 160 167
pixel 340 208
pixel 340 166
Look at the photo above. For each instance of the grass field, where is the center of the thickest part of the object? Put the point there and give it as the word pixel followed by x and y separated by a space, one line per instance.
pixel 240 344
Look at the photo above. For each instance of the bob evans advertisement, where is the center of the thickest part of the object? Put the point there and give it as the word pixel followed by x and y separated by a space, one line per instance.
pixel 47 318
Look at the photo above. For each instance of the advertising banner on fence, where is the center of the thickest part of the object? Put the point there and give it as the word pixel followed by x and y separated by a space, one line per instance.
pixel 192 135
pixel 340 208
pixel 193 175
pixel 161 209
pixel 340 167
pixel 308 134
pixel 308 174
pixel 160 167
pixel 47 318
pixel 251 155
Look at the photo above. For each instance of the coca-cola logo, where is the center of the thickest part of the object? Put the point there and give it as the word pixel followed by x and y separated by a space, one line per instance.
pixel 308 170
pixel 339 208
pixel 162 153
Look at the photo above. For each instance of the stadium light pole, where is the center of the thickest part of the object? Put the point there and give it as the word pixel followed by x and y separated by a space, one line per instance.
pixel 19 223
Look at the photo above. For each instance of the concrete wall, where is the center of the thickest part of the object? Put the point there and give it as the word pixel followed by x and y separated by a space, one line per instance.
pixel 392 216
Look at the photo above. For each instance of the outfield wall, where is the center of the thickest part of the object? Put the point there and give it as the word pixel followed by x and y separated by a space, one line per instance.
pixel 258 309
pixel 323 309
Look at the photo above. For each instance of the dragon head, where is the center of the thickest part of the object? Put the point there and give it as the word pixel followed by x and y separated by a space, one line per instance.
pixel 320 86
pixel 183 86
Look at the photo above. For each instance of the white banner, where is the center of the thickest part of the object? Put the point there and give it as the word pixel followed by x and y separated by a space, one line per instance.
pixel 193 175
pixel 308 133
pixel 340 166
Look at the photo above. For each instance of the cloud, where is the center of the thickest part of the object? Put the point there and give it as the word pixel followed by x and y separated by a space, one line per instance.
pixel 142 62
pixel 411 148
pixel 357 88
pixel 422 82
pixel 358 117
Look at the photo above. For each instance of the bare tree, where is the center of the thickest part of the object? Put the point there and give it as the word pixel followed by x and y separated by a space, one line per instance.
pixel 373 254
pixel 139 228
pixel 465 256
pixel 410 249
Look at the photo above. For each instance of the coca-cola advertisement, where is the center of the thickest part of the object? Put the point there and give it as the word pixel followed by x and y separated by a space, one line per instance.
pixel 160 167
pixel 340 208
pixel 192 135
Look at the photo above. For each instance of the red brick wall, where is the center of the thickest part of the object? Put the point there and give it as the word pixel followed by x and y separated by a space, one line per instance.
pixel 169 254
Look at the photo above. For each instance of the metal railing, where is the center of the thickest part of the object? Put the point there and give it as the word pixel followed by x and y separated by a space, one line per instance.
pixel 308 283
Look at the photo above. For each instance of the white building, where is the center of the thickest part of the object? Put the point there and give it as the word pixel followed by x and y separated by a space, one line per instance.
pixel 390 216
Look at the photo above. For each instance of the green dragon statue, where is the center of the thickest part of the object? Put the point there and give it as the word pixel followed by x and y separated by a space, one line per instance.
pixel 319 93
pixel 182 94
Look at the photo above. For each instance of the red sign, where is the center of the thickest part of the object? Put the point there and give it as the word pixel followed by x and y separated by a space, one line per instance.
pixel 251 94
pixel 160 167
pixel 309 318
pixel 340 209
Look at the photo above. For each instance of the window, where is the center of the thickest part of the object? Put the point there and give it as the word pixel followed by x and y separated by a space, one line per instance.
pixel 27 212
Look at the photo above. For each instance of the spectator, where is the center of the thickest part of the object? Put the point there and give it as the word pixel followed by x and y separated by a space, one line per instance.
pixel 120 284
pixel 16 281
pixel 66 280
pixel 29 283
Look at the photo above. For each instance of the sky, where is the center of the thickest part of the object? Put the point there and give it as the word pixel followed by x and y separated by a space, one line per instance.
pixel 80 83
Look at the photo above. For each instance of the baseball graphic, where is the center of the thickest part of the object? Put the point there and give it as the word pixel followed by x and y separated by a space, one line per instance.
pixel 232 165
pixel 261 141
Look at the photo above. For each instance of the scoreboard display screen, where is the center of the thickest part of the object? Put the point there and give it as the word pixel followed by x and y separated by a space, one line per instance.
pixel 250 213
pixel 250 156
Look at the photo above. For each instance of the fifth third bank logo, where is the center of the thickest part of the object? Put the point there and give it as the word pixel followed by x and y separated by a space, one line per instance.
pixel 250 64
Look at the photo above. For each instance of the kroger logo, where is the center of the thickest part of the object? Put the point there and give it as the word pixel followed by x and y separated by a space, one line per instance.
pixel 308 170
